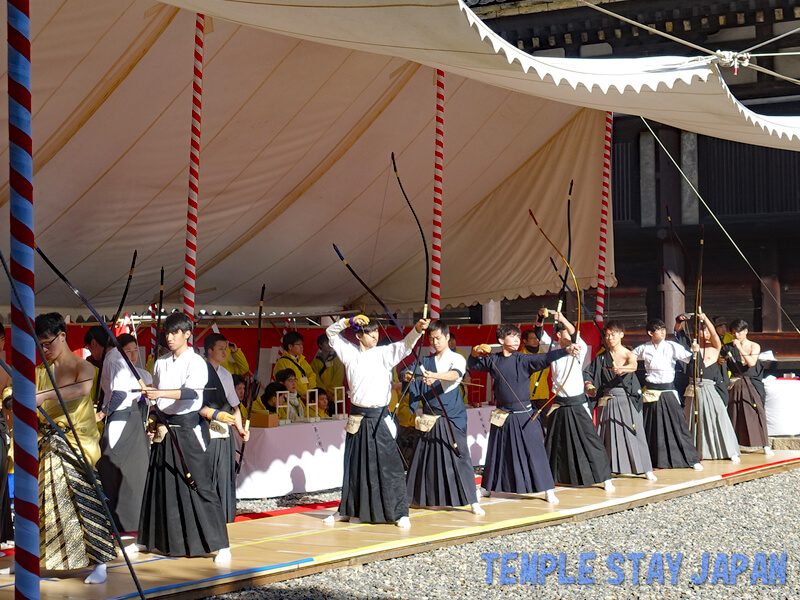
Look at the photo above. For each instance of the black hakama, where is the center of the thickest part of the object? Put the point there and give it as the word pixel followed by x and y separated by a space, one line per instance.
pixel 374 487
pixel 6 526
pixel 436 476
pixel 516 461
pixel 221 450
pixel 671 445
pixel 123 468
pixel 577 454
pixel 176 519
pixel 223 473
pixel 747 413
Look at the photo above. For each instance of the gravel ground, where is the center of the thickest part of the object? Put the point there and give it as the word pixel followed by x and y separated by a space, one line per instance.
pixel 748 518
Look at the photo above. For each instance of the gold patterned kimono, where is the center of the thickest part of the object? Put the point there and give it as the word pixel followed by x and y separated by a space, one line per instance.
pixel 74 531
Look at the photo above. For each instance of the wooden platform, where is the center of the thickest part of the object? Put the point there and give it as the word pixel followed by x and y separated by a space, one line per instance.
pixel 292 545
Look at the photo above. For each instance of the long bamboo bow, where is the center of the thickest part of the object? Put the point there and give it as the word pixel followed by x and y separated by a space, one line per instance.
pixel 424 306
pixel 578 321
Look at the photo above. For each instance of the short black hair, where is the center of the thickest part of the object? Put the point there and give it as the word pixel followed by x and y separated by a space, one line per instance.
pixel 368 328
pixel 321 392
pixel 440 326
pixel 528 332
pixel 211 339
pixel 2 331
pixel 507 329
pixel 284 374
pixel 50 324
pixel 653 324
pixel 322 339
pixel 558 328
pixel 271 391
pixel 614 325
pixel 97 333
pixel 176 322
pixel 739 325
pixel 237 379
pixel 291 338
pixel 125 339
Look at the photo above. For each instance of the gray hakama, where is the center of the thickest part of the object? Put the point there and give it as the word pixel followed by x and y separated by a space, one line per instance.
pixel 621 427
pixel 709 423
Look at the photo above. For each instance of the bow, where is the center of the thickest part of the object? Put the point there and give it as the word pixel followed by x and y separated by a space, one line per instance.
pixel 562 294
pixel 98 390
pixel 127 287
pixel 253 391
pixel 80 453
pixel 632 426
pixel 187 474
pixel 157 341
pixel 424 305
pixel 366 287
pixel 699 360
pixel 577 295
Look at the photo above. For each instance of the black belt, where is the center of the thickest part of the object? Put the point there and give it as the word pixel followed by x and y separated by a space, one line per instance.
pixel 664 387
pixel 123 414
pixel 369 412
pixel 570 400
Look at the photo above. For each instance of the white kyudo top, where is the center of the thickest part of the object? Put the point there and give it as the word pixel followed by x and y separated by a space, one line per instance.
pixel 660 360
pixel 188 371
pixel 560 368
pixel 369 373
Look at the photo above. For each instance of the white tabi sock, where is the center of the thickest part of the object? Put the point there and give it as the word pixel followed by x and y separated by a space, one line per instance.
pixel 650 476
pixel 223 556
pixel 550 497
pixel 331 519
pixel 609 486
pixel 98 575
pixel 477 510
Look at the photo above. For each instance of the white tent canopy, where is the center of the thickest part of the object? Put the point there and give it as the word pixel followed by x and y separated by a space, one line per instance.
pixel 302 105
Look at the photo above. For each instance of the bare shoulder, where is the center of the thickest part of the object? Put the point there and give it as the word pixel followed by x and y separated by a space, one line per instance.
pixel 81 368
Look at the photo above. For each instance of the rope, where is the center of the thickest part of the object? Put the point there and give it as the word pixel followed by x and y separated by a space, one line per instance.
pixel 717 221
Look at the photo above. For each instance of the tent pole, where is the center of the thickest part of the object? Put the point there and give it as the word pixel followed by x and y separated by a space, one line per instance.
pixel 436 268
pixel 601 257
pixel 26 452
pixel 190 257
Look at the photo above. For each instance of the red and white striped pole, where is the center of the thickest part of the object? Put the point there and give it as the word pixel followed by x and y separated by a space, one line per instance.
pixel 190 259
pixel 601 258
pixel 23 348
pixel 436 266
pixel 153 332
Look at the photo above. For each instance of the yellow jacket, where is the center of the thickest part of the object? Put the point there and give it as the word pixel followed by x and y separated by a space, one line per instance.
pixel 306 378
pixel 329 372
pixel 543 391
pixel 236 362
